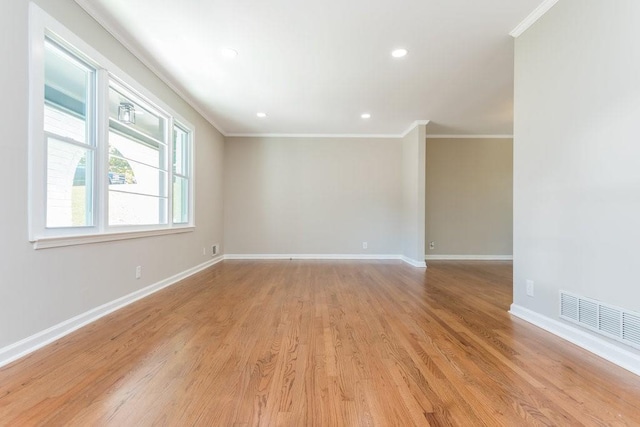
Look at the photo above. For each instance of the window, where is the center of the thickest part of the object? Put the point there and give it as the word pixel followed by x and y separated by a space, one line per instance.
pixel 107 159
pixel 69 87
pixel 138 152
pixel 181 161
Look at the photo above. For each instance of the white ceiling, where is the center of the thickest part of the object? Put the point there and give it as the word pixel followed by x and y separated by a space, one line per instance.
pixel 315 67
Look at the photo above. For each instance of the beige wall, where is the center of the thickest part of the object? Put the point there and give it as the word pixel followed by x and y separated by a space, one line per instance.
pixel 469 206
pixel 313 195
pixel 39 289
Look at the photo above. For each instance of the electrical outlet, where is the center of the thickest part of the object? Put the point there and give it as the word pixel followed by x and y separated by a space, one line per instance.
pixel 214 250
pixel 365 245
pixel 530 288
pixel 204 251
pixel 432 245
pixel 138 272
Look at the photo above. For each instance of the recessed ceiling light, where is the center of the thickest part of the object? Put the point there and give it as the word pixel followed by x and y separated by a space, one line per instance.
pixel 261 115
pixel 365 115
pixel 399 53
pixel 227 52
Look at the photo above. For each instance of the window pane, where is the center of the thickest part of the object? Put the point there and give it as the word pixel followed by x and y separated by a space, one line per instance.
pixel 69 184
pixel 141 117
pixel 137 150
pixel 62 123
pixel 136 178
pixel 180 151
pixel 133 166
pixel 180 200
pixel 67 92
pixel 135 209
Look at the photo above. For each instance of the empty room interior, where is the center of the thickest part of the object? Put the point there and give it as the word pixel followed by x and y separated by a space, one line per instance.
pixel 239 213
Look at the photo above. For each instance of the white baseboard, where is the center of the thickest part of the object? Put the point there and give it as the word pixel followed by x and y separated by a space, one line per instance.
pixel 413 262
pixel 605 349
pixel 310 256
pixel 23 347
pixel 410 261
pixel 469 257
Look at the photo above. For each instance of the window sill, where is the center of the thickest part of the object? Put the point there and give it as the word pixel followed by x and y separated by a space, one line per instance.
pixel 56 242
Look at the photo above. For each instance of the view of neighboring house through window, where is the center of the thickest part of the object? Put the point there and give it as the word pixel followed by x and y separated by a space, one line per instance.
pixel 70 143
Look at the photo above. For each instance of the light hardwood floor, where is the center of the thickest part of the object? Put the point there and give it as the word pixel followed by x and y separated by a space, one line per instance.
pixel 327 343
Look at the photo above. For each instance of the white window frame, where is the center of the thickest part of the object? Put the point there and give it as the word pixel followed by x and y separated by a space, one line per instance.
pixel 42 25
pixel 190 166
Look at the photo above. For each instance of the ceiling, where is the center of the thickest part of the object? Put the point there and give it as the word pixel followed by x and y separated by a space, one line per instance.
pixel 315 67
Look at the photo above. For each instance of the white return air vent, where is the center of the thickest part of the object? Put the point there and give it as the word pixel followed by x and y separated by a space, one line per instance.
pixel 617 323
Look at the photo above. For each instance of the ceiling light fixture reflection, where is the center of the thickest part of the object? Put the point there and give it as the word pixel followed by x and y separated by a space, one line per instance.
pixel 127 113
pixel 261 115
pixel 399 53
pixel 365 115
pixel 227 52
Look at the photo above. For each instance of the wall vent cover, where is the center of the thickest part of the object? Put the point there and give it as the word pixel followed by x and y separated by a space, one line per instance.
pixel 613 322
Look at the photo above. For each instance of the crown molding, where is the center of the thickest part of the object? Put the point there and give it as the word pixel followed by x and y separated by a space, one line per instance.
pixel 110 27
pixel 471 136
pixel 309 135
pixel 328 135
pixel 532 18
pixel 357 135
pixel 413 126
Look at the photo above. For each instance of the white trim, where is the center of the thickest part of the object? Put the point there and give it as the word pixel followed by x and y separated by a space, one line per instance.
pixel 470 257
pixel 138 53
pixel 327 135
pixel 56 242
pixel 413 262
pixel 419 264
pixel 310 256
pixel 36 195
pixel 532 18
pixel 470 136
pixel 28 345
pixel 310 135
pixel 413 126
pixel 608 351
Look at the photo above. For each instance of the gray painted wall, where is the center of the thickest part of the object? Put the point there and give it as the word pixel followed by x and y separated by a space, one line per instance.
pixel 577 155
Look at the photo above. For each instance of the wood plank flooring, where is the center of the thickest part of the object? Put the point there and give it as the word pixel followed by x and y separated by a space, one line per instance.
pixel 325 343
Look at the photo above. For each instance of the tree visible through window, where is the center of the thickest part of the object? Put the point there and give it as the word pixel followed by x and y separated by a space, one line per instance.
pixel 120 171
